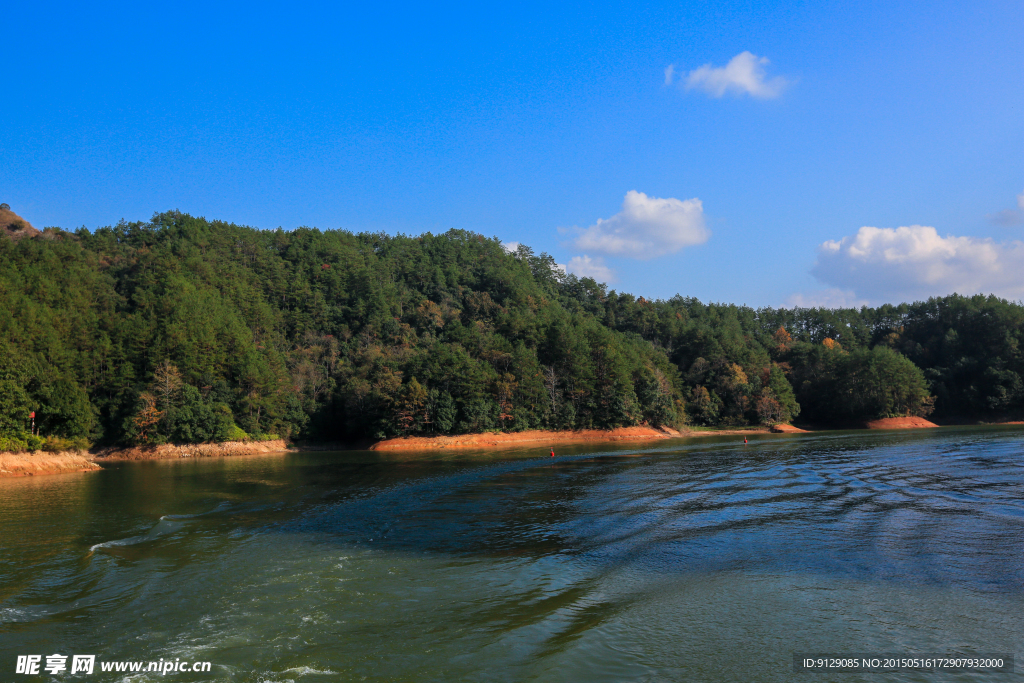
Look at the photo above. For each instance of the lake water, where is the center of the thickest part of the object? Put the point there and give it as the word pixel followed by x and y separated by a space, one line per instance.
pixel 683 560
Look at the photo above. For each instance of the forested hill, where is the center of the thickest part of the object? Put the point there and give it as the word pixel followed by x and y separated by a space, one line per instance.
pixel 182 329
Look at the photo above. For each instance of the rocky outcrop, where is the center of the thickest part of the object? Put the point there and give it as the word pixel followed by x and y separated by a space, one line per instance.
pixel 14 226
pixel 40 462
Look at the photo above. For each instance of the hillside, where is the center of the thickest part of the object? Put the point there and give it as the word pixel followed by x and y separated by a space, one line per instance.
pixel 14 226
pixel 186 330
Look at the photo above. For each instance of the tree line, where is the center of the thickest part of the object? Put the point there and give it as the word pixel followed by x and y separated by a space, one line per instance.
pixel 187 330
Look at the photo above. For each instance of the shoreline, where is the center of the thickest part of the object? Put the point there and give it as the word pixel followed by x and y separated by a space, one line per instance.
pixel 198 450
pixel 42 463
pixel 532 436
pixel 900 423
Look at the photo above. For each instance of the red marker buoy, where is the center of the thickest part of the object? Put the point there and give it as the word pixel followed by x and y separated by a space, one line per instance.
pixel 744 439
pixel 552 452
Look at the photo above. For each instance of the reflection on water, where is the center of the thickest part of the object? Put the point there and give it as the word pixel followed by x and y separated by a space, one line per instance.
pixel 685 560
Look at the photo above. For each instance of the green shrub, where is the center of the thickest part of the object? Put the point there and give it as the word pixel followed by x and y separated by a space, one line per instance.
pixel 263 436
pixel 12 444
pixel 236 433
pixel 55 444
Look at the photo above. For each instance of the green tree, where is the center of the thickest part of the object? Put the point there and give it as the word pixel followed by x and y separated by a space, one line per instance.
pixel 443 411
pixel 782 391
pixel 880 382
pixel 411 411
pixel 703 406
pixel 66 411
pixel 14 408
pixel 197 421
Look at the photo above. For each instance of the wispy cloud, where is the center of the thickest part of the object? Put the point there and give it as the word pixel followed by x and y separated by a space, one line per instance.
pixel 1009 217
pixel 915 262
pixel 744 74
pixel 646 227
pixel 584 266
pixel 826 298
pixel 670 72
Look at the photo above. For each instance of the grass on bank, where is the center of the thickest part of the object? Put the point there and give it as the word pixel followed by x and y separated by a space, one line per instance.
pixel 25 442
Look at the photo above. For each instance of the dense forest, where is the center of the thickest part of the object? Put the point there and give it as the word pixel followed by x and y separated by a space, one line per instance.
pixel 186 330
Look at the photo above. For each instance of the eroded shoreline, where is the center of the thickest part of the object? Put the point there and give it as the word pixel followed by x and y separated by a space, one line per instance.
pixel 40 463
pixel 199 450
pixel 533 436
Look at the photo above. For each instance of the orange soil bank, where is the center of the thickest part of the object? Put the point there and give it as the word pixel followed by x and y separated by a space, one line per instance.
pixel 900 423
pixel 787 429
pixel 201 450
pixel 425 443
pixel 33 464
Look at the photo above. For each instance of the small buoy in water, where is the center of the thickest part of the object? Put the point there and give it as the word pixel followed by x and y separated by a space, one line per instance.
pixel 744 439
pixel 552 452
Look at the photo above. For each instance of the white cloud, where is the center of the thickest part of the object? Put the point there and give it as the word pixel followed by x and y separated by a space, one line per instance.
pixel 909 263
pixel 646 227
pixel 670 72
pixel 510 247
pixel 584 266
pixel 1009 217
pixel 826 298
pixel 744 73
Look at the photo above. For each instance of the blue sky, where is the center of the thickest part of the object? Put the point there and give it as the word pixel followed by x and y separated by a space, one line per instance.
pixel 756 170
